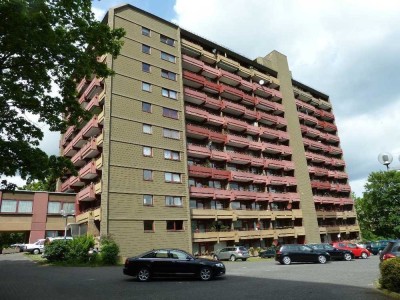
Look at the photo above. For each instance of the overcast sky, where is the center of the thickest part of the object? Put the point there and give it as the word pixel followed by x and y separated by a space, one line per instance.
pixel 348 50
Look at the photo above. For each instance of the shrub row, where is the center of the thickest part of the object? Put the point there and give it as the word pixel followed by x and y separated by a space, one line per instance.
pixel 80 251
pixel 390 274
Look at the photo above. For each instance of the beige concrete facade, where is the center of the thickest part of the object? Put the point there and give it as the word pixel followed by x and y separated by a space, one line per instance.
pixel 254 154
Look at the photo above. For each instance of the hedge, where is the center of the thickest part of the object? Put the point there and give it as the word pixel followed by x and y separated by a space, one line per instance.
pixel 390 274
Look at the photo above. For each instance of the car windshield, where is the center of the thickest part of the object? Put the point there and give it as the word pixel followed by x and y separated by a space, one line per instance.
pixel 352 245
pixel 242 249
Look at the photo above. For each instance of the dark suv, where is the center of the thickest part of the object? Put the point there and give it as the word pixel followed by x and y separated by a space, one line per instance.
pixel 376 247
pixel 392 250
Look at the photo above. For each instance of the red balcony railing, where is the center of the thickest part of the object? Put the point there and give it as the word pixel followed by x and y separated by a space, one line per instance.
pixel 192 64
pixel 194 113
pixel 229 78
pixel 210 72
pixel 232 108
pixel 211 87
pixel 90 150
pixel 219 155
pixel 87 193
pixel 246 85
pixel 239 158
pixel 237 141
pixel 230 92
pixel 197 131
pixel 192 79
pixel 200 171
pixel 194 96
pixel 198 151
pixel 88 171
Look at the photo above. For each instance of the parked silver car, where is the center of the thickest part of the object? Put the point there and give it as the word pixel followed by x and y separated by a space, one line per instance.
pixel 232 253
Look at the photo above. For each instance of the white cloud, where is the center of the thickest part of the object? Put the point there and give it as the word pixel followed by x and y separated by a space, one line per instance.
pixel 98 13
pixel 346 49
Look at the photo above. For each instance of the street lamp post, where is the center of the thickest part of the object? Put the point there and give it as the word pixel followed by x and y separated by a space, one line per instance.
pixel 386 159
pixel 65 215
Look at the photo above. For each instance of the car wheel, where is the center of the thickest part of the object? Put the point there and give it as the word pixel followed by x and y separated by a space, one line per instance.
pixel 364 255
pixel 205 274
pixel 286 260
pixel 36 251
pixel 215 257
pixel 347 256
pixel 232 258
pixel 321 259
pixel 143 275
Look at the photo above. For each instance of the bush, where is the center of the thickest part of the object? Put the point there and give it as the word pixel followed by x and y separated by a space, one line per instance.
pixel 56 251
pixel 79 249
pixel 109 250
pixel 390 275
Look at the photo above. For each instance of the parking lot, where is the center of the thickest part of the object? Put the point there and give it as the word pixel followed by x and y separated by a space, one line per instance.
pixel 260 279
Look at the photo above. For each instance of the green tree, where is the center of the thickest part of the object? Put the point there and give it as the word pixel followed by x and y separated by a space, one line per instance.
pixel 378 211
pixel 45 43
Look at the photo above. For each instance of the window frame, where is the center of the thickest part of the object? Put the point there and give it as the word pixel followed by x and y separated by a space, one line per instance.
pixel 146 87
pixel 147 148
pixel 167 40
pixel 150 110
pixel 145 66
pixel 167 75
pixel 146 200
pixel 175 227
pixel 173 177
pixel 152 226
pixel 149 126
pixel 171 94
pixel 168 113
pixel 171 155
pixel 146 31
pixel 168 57
pixel 173 203
pixel 146 49
pixel 169 134
pixel 147 172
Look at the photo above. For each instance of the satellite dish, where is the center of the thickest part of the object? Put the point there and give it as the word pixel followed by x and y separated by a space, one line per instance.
pixel 261 82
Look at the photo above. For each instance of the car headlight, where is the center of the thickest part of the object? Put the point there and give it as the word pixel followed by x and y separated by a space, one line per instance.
pixel 219 265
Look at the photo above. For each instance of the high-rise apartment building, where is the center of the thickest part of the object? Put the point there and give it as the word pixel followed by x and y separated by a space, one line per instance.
pixel 194 146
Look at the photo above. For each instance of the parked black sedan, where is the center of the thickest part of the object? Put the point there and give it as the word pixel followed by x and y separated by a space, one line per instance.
pixel 171 262
pixel 300 253
pixel 336 254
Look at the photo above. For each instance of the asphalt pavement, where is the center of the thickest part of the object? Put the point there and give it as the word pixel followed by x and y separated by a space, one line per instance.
pixel 21 278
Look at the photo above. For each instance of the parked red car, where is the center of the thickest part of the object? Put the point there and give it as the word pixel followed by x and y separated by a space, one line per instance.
pixel 357 251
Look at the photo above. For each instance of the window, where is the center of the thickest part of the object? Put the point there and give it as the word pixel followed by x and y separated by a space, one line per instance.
pixel 173 201
pixel 174 225
pixel 145 67
pixel 146 107
pixel 166 40
pixel 146 87
pixel 147 200
pixel 147 129
pixel 147 175
pixel 170 113
pixel 69 208
pixel 172 177
pixel 168 75
pixel 9 206
pixel 146 49
pixel 148 226
pixel 146 31
pixel 25 206
pixel 169 93
pixel 147 151
pixel 172 134
pixel 169 154
pixel 168 57
pixel 54 207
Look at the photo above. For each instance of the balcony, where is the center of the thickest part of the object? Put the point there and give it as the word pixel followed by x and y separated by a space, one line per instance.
pixel 193 80
pixel 267 118
pixel 341 175
pixel 100 118
pixel 219 155
pixel 94 88
pixel 274 164
pixel 98 188
pixel 344 188
pixel 302 95
pixel 190 48
pixel 326 115
pixel 305 107
pixel 201 192
pixel 66 186
pixel 257 76
pixel 257 161
pixel 197 132
pixel 262 91
pixel 99 140
pixel 198 151
pixel 272 148
pixel 308 120
pixel 324 104
pixel 216 137
pixel 77 142
pixel 330 138
pixel 211 87
pixel 227 64
pixel 229 78
pixel 94 213
pixel 230 92
pixel 338 162
pixel 82 86
pixel 232 108
pixel 99 163
pixel 245 195
pixel 194 96
pixel 199 171
pixel 210 72
pixel 239 158
pixel 89 171
pixel 269 106
pixel 78 160
pixel 68 135
pixel 250 114
pixel 76 181
pixel 257 146
pixel 320 185
pixel 208 57
pixel 191 64
pixel 269 133
pixel 87 193
pixel 246 85
pixel 327 126
pixel 213 103
pixel 89 150
pixel 220 174
pixel 235 124
pixel 334 150
pixel 248 100
pixel 222 194
pixel 91 128
pixel 93 106
pixel 315 145
pixel 310 132
pixel 321 171
pixel 237 141
pixel 196 114
pixel 241 176
pixel 281 122
pixel 278 180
